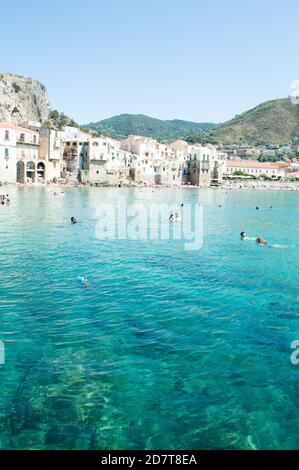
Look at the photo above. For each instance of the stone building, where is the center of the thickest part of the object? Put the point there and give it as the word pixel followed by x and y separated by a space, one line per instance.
pixel 205 166
pixel 51 144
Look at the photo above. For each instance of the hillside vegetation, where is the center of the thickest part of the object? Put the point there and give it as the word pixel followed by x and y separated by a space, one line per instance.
pixel 123 125
pixel 272 122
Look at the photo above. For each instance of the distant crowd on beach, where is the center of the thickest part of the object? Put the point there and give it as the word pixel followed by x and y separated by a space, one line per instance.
pixel 4 199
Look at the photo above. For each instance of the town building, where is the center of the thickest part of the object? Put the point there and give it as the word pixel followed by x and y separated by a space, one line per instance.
pixel 256 168
pixel 8 150
pixel 51 144
pixel 29 168
pixel 205 166
pixel 20 149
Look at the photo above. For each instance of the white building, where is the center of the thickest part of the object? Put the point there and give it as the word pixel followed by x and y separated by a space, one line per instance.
pixel 29 168
pixel 8 150
pixel 20 149
pixel 255 168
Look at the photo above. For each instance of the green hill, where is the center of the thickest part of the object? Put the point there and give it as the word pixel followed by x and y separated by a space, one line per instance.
pixel 272 122
pixel 125 124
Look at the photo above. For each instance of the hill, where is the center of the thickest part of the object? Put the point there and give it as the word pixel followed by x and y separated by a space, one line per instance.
pixel 272 122
pixel 22 99
pixel 123 125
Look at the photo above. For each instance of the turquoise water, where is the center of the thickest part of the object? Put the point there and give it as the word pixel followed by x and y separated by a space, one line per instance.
pixel 166 348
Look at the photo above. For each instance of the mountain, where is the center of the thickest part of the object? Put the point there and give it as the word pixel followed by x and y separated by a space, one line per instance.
pixel 22 99
pixel 123 125
pixel 272 122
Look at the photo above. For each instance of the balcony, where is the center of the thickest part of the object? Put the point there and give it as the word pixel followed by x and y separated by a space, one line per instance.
pixel 24 142
pixel 97 158
pixel 54 156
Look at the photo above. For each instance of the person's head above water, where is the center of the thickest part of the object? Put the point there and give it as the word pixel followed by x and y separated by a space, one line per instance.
pixel 73 220
pixel 243 235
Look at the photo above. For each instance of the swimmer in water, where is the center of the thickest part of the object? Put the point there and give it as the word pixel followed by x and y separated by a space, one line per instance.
pixel 84 282
pixel 257 208
pixel 243 235
pixel 73 220
pixel 171 218
pixel 261 241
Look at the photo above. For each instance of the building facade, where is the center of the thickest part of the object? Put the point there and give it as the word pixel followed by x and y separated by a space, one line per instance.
pixel 29 168
pixel 255 168
pixel 8 151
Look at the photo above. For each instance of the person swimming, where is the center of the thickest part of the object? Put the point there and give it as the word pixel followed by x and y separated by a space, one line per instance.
pixel 84 282
pixel 243 236
pixel 171 217
pixel 261 241
pixel 73 220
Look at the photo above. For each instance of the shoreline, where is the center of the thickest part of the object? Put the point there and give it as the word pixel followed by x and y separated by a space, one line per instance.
pixel 227 185
pixel 262 185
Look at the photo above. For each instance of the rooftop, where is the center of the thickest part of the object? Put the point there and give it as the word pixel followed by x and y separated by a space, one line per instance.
pixel 7 125
pixel 255 164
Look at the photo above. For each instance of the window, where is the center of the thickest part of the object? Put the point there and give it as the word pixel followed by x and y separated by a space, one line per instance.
pixel 22 137
pixel 6 153
pixel 34 139
pixel 6 135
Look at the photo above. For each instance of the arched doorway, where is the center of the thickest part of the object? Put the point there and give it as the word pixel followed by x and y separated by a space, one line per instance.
pixel 40 172
pixel 30 171
pixel 20 172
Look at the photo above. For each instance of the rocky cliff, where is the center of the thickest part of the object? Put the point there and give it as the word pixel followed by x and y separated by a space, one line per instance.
pixel 22 99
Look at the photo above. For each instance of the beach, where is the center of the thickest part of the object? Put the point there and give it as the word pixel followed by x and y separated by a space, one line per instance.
pixel 266 185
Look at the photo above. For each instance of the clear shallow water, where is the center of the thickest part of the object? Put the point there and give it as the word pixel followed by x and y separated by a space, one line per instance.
pixel 166 348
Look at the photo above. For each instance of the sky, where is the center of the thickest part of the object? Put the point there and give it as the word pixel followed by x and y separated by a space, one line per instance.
pixel 203 61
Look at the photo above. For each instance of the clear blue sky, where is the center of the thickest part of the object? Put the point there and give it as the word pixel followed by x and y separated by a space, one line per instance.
pixel 187 59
